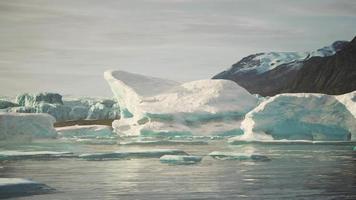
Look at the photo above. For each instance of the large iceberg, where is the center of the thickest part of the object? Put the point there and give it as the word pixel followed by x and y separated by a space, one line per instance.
pixel 302 117
pixel 19 126
pixel 157 107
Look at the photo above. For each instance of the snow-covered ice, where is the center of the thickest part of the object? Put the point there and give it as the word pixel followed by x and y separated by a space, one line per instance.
pixel 85 131
pixel 238 156
pixel 13 187
pixel 180 159
pixel 144 153
pixel 263 62
pixel 26 126
pixel 157 107
pixel 302 117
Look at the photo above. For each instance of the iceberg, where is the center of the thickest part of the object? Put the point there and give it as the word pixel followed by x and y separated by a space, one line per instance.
pixel 150 153
pixel 302 116
pixel 26 126
pixel 238 156
pixel 180 160
pixel 85 131
pixel 14 187
pixel 22 155
pixel 157 107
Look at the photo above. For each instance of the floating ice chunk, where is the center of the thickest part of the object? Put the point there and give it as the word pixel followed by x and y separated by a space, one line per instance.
pixel 150 153
pixel 13 187
pixel 26 126
pixel 238 156
pixel 85 131
pixel 20 155
pixel 354 148
pixel 164 142
pixel 156 106
pixel 300 117
pixel 180 160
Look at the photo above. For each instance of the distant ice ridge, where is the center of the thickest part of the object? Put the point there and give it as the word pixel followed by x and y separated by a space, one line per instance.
pixel 157 107
pixel 63 109
pixel 302 117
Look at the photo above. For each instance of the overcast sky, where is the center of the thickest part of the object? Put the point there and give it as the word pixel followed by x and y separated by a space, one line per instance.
pixel 65 45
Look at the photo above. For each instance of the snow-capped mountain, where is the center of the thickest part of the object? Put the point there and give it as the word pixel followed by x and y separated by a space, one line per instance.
pixel 272 73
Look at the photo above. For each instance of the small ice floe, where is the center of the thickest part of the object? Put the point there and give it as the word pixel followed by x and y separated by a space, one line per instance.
pixel 164 142
pixel 150 153
pixel 20 155
pixel 238 156
pixel 354 148
pixel 13 187
pixel 180 159
pixel 86 131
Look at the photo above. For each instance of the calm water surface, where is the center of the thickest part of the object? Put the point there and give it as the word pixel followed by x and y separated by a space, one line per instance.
pixel 295 172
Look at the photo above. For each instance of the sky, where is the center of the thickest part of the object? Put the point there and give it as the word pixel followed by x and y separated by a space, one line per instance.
pixel 65 46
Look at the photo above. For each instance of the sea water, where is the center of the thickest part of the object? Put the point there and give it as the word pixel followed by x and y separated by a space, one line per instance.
pixel 294 171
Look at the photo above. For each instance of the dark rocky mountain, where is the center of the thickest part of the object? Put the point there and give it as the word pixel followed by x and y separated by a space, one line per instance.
pixel 329 70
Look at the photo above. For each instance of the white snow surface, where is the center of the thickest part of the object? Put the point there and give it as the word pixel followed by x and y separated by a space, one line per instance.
pixel 301 116
pixel 165 106
pixel 26 125
pixel 270 60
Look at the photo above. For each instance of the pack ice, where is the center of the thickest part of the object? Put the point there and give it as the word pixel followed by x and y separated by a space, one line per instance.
pixel 302 117
pixel 158 107
pixel 20 126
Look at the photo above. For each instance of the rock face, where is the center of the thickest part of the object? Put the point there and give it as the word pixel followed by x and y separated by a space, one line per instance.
pixel 156 107
pixel 18 126
pixel 302 117
pixel 330 75
pixel 329 70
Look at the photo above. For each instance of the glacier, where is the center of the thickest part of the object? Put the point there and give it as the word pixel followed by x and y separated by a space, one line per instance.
pixel 160 108
pixel 301 116
pixel 25 126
